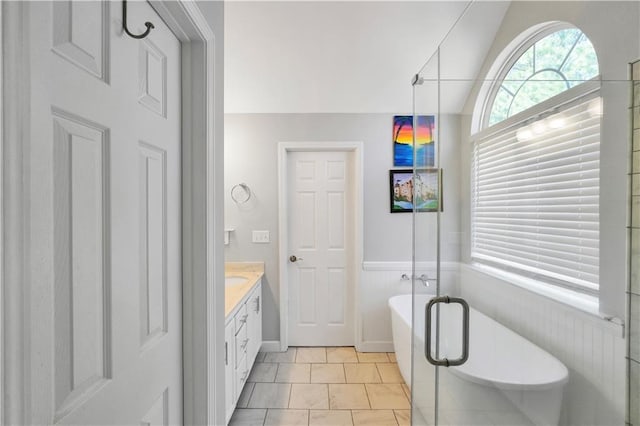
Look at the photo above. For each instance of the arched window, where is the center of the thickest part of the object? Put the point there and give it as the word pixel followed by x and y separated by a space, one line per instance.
pixel 549 66
pixel 536 165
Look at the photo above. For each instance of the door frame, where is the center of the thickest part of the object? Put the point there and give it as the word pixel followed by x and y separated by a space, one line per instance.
pixel 202 212
pixel 284 148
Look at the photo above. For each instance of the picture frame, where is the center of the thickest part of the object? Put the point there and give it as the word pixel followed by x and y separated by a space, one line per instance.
pixel 429 192
pixel 403 140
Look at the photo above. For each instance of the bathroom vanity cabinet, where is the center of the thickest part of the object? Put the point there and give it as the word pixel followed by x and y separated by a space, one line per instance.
pixel 242 341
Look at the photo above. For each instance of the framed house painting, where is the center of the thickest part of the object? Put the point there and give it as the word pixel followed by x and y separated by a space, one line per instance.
pixel 423 192
pixel 403 141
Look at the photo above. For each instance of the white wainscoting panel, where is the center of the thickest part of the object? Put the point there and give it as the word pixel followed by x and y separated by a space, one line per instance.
pixel 381 281
pixel 376 289
pixel 592 349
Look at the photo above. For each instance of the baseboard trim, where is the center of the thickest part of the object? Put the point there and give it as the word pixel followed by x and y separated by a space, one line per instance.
pixel 375 347
pixel 270 346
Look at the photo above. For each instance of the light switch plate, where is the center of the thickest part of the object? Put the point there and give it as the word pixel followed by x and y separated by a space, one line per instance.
pixel 261 237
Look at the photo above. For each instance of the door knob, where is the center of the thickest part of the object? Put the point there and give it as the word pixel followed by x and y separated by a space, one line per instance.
pixel 293 258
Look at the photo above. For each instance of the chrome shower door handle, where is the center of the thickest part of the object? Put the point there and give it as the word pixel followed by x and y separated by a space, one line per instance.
pixel 465 331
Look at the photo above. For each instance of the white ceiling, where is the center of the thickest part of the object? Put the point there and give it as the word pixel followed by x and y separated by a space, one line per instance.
pixel 347 57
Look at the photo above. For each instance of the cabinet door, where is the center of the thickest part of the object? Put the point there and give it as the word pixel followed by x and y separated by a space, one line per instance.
pixel 242 374
pixel 229 369
pixel 254 309
pixel 242 343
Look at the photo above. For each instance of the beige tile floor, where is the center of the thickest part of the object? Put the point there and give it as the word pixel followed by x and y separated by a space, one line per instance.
pixel 324 387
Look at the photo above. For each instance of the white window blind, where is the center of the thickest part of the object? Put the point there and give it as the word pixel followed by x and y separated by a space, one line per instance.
pixel 535 198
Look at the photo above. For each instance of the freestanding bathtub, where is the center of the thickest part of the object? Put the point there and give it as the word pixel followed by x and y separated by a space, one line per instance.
pixel 506 380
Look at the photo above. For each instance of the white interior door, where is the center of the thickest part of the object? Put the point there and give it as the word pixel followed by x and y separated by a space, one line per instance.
pixel 321 246
pixel 105 225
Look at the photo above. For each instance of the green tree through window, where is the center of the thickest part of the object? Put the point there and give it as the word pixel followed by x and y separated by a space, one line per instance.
pixel 553 64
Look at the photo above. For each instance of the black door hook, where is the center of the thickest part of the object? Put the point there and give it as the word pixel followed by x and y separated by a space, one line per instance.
pixel 148 24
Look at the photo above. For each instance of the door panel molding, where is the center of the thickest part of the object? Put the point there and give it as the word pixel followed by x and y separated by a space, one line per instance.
pixel 154 320
pixel 202 213
pixel 81 173
pixel 283 233
pixel 76 46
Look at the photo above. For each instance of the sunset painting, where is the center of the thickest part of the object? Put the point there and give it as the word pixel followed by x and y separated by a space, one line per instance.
pixel 403 141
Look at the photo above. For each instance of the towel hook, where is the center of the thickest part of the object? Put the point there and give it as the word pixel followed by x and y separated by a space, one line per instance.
pixel 148 24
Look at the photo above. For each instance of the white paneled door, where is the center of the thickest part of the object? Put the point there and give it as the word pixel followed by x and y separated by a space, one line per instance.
pixel 321 246
pixel 105 225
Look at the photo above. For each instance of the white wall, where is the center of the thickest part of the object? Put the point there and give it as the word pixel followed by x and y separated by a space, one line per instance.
pixel 251 157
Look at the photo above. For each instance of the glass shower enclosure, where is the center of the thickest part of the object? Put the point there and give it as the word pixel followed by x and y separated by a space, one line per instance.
pixel 483 352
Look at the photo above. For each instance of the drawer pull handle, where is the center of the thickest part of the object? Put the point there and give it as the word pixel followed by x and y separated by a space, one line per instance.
pixel 244 344
pixel 244 318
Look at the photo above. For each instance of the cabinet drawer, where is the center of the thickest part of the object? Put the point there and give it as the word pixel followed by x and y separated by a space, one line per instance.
pixel 254 323
pixel 241 317
pixel 241 343
pixel 242 374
